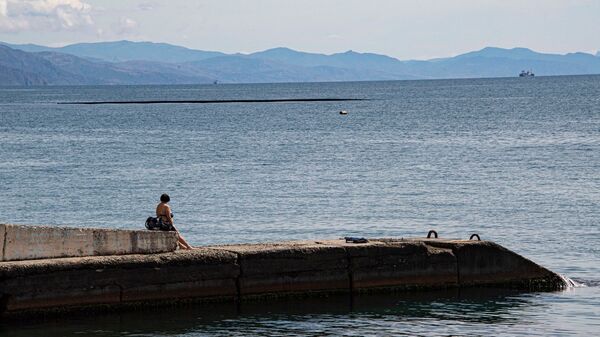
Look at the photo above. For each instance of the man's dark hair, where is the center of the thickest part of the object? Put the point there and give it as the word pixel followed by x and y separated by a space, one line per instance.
pixel 165 198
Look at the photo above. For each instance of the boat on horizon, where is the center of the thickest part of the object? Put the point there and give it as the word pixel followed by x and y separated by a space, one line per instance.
pixel 526 73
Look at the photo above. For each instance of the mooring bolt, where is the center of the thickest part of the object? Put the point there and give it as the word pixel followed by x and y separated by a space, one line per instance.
pixel 475 236
pixel 432 232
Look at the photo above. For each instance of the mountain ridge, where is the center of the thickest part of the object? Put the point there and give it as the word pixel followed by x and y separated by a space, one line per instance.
pixel 123 50
pixel 127 62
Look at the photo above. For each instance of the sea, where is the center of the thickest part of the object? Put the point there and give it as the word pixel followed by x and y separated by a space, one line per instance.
pixel 515 160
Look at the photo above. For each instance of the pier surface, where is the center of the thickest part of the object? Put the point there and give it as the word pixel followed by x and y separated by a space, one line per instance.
pixel 250 271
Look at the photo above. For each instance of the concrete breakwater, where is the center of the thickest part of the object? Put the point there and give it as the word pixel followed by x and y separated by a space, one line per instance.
pixel 20 242
pixel 249 271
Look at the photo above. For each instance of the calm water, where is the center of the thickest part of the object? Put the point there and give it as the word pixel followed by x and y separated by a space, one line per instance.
pixel 515 160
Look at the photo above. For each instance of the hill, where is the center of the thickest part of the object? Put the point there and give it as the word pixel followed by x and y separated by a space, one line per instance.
pixel 487 62
pixel 120 51
pixel 125 62
pixel 50 68
pixel 22 68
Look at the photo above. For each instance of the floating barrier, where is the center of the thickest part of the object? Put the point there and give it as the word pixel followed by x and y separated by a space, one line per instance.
pixel 223 101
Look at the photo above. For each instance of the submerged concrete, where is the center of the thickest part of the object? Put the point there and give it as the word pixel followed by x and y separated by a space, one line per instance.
pixel 241 272
pixel 20 242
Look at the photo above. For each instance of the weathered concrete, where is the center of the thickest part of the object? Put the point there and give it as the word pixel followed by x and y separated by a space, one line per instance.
pixel 19 242
pixel 57 283
pixel 290 267
pixel 239 272
pixel 485 262
pixel 401 264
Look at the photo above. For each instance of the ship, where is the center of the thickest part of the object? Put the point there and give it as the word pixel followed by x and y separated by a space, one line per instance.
pixel 527 73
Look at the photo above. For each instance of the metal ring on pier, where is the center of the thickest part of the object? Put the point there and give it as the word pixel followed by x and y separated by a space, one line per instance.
pixel 432 232
pixel 475 236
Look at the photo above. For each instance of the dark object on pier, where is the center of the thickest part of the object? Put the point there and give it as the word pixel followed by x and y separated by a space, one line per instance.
pixel 355 240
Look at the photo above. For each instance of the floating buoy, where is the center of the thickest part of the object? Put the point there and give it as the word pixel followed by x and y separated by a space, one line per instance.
pixel 343 112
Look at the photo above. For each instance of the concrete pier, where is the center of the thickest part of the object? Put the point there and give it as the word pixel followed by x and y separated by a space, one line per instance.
pixel 250 271
pixel 20 242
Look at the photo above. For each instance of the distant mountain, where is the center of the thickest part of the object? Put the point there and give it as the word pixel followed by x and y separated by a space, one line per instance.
pixel 488 62
pixel 498 62
pixel 348 60
pixel 31 48
pixel 512 54
pixel 130 72
pixel 22 68
pixel 51 68
pixel 125 62
pixel 119 51
pixel 244 69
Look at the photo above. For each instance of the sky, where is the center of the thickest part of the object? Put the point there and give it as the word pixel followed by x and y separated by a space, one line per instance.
pixel 405 29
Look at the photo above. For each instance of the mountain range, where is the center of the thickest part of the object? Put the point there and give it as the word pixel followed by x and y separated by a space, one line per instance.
pixel 126 62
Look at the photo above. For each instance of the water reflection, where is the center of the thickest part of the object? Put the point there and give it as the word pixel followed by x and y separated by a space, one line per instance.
pixel 334 315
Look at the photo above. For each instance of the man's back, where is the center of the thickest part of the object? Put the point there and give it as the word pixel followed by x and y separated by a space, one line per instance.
pixel 163 211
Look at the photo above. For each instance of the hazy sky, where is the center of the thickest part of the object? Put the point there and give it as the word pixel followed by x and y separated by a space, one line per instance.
pixel 411 29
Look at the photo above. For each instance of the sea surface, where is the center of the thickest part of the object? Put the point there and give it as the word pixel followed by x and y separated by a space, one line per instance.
pixel 516 160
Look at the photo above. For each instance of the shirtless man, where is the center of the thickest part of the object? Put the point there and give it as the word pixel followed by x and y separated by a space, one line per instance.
pixel 163 212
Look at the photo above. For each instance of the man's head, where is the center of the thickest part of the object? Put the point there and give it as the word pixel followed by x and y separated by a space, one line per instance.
pixel 165 198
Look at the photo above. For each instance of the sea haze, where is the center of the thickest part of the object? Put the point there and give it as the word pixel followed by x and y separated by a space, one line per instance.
pixel 515 160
